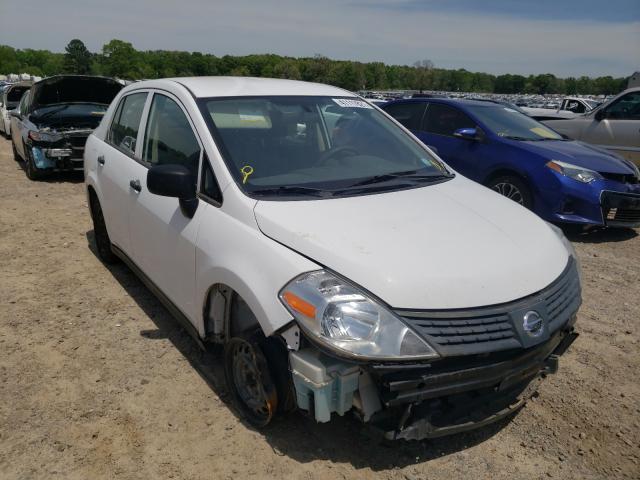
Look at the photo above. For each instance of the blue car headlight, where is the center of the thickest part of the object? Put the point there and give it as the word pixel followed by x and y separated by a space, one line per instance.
pixel 580 174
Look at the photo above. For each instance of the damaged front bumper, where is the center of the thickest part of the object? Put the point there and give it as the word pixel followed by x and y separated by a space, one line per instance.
pixel 425 400
pixel 65 154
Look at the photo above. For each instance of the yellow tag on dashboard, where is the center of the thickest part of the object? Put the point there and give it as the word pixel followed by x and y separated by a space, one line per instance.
pixel 247 170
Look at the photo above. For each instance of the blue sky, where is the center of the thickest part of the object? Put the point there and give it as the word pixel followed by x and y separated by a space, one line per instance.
pixel 564 37
pixel 575 10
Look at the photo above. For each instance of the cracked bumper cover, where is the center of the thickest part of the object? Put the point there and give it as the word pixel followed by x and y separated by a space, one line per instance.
pixel 457 399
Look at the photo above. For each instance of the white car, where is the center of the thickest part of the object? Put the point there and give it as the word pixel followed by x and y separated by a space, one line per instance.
pixel 343 266
pixel 570 107
pixel 614 125
pixel 9 100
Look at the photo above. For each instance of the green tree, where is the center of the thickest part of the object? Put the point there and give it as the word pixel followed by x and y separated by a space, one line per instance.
pixel 120 59
pixel 287 69
pixel 423 74
pixel 77 58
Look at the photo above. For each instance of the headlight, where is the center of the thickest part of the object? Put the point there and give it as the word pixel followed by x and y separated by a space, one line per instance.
pixel 568 245
pixel 346 320
pixel 580 174
pixel 43 136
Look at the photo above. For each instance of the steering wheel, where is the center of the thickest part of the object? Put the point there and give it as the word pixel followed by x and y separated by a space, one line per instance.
pixel 337 152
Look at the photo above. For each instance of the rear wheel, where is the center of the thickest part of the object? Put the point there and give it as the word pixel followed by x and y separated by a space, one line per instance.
pixel 513 188
pixel 249 380
pixel 101 236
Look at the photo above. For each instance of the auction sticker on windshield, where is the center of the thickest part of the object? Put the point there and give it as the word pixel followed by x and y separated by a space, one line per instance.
pixel 349 103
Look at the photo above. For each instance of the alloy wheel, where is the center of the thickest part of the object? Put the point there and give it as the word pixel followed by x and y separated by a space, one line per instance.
pixel 510 191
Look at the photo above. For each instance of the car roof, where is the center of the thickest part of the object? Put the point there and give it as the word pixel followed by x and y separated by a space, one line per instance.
pixel 202 87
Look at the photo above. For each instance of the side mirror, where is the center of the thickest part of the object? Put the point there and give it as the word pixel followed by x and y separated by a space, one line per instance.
pixel 600 115
pixel 129 143
pixel 175 181
pixel 14 113
pixel 466 133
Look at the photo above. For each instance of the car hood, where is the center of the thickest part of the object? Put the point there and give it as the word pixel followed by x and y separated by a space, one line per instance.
pixel 451 245
pixel 62 89
pixel 580 154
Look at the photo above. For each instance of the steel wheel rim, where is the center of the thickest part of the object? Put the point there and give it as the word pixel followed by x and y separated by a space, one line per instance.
pixel 248 381
pixel 510 191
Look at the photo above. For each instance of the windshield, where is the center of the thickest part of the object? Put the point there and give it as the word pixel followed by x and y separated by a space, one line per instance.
pixel 15 94
pixel 592 103
pixel 315 145
pixel 507 122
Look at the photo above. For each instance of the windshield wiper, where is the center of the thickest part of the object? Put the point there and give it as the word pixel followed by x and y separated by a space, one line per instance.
pixel 408 174
pixel 515 137
pixel 291 190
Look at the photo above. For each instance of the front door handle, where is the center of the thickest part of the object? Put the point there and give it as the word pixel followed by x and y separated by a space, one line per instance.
pixel 101 159
pixel 135 184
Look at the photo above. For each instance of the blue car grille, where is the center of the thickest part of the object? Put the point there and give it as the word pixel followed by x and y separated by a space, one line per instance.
pixel 490 329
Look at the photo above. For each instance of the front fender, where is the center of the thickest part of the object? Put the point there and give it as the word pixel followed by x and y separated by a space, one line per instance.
pixel 239 255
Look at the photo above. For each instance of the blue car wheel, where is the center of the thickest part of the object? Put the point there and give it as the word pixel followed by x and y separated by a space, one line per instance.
pixel 513 188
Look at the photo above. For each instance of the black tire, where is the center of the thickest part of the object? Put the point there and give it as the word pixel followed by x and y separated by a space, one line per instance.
pixel 249 380
pixel 30 167
pixel 100 234
pixel 513 188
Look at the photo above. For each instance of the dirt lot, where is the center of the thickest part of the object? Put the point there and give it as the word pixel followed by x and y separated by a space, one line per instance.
pixel 97 381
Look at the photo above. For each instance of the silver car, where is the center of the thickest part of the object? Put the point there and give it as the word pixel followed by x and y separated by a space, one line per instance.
pixel 614 125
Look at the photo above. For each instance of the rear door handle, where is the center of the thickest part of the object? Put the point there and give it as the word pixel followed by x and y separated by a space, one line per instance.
pixel 135 184
pixel 101 159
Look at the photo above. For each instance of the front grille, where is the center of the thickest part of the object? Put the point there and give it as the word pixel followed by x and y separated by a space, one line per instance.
pixel 622 178
pixel 77 140
pixel 619 209
pixel 622 215
pixel 467 328
pixel 77 143
pixel 490 329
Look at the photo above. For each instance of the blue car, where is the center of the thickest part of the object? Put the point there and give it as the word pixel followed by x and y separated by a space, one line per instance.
pixel 563 181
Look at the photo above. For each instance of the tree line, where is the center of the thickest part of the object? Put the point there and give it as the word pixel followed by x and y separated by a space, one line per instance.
pixel 120 59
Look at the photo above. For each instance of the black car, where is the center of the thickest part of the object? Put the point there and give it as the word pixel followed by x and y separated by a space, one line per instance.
pixel 54 118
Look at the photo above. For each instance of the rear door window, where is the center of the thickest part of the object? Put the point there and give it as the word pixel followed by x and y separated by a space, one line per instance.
pixel 408 114
pixel 126 122
pixel 445 120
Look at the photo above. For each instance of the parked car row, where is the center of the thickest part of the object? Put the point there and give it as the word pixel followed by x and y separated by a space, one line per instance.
pixel 321 243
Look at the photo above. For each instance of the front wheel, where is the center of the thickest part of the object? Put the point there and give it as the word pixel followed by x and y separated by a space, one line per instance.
pixel 250 384
pixel 513 188
pixel 30 167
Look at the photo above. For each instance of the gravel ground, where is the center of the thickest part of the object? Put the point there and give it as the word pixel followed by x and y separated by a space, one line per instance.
pixel 97 381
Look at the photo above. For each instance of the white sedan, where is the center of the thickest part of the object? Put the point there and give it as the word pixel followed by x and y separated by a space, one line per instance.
pixel 342 265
